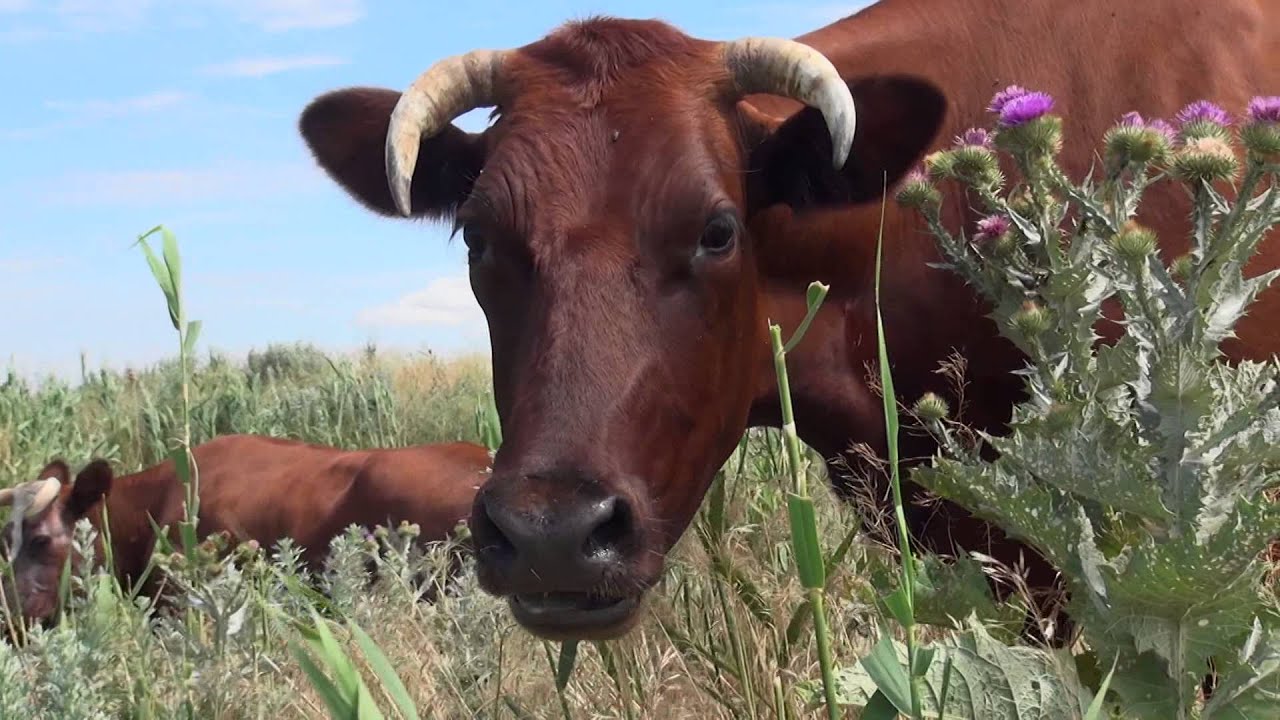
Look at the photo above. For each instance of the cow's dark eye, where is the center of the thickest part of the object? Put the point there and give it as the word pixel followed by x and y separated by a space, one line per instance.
pixel 475 242
pixel 719 236
pixel 38 543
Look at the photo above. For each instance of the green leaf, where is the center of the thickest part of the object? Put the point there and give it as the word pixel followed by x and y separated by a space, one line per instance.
pixel 193 335
pixel 1252 690
pixel 879 707
pixel 804 539
pixel 948 592
pixel 899 605
pixel 172 261
pixel 1095 708
pixel 813 297
pixel 568 659
pixel 385 672
pixel 984 680
pixel 181 464
pixel 889 673
pixel 161 275
pixel 339 706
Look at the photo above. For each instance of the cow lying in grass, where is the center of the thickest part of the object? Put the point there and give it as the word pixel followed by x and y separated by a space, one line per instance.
pixel 251 488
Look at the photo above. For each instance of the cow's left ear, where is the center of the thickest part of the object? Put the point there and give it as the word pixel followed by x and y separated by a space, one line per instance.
pixel 898 118
pixel 92 484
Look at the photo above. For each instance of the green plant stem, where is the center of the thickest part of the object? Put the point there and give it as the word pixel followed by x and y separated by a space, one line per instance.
pixel 891 439
pixel 803 528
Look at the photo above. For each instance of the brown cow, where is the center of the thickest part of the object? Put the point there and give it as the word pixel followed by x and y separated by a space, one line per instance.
pixel 252 488
pixel 645 201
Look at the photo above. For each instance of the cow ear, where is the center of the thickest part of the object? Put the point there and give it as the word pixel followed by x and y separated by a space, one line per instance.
pixel 898 119
pixel 56 469
pixel 92 484
pixel 346 131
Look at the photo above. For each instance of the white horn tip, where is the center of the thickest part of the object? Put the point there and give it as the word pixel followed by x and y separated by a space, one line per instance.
pixel 841 124
pixel 402 155
pixel 45 493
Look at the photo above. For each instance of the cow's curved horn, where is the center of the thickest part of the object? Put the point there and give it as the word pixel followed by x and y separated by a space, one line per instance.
pixel 795 70
pixel 6 497
pixel 44 493
pixel 446 90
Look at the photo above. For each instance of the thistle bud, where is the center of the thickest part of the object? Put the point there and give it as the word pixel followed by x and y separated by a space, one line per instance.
pixel 977 166
pixel 1032 320
pixel 1060 417
pixel 1025 123
pixel 1181 267
pixel 1262 134
pixel 975 137
pixel 1133 141
pixel 1134 242
pixel 931 407
pixel 940 165
pixel 1203 119
pixel 916 192
pixel 1205 159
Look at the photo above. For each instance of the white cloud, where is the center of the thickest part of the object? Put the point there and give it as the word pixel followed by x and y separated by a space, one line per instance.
pixel 103 15
pixel 150 188
pixel 263 66
pixel 446 301
pixel 127 15
pixel 19 265
pixel 279 15
pixel 121 106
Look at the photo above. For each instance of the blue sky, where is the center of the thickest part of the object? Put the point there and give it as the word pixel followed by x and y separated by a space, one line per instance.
pixel 123 114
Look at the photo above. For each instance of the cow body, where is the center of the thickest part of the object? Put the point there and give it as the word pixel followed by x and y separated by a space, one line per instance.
pixel 646 202
pixel 254 488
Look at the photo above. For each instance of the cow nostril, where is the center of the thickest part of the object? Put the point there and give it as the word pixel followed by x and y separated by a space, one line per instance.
pixel 489 533
pixel 613 524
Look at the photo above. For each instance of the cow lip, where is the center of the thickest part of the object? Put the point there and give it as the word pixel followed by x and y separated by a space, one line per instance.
pixel 572 614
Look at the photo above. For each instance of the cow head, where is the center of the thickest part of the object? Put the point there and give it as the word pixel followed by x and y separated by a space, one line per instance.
pixel 607 217
pixel 36 542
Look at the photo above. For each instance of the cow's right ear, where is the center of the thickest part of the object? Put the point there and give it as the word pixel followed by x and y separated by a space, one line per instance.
pixel 93 483
pixel 346 131
pixel 56 469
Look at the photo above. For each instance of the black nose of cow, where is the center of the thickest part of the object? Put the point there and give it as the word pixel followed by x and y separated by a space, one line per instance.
pixel 535 534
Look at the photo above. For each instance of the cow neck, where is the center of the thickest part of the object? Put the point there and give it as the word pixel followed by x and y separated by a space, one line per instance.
pixel 134 500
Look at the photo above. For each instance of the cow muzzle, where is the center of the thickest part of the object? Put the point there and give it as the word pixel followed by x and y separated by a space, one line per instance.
pixel 563 550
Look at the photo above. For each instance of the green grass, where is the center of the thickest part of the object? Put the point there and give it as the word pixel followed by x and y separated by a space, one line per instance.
pixel 726 634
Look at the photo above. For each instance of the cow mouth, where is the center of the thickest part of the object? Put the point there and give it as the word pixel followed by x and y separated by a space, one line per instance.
pixel 575 615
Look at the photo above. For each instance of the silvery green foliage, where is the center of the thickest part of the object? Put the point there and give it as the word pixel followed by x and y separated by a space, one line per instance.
pixel 1139 469
pixel 983 679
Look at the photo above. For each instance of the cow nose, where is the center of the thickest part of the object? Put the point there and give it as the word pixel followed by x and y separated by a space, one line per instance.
pixel 532 541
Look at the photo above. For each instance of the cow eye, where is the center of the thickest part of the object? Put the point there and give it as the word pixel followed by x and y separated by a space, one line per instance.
pixel 38 542
pixel 475 243
pixel 719 235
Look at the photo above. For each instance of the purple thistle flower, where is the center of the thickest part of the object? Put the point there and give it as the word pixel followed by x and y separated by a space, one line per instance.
pixel 1131 119
pixel 974 137
pixel 1003 97
pixel 1165 129
pixel 917 175
pixel 1265 109
pixel 1203 111
pixel 1025 108
pixel 992 226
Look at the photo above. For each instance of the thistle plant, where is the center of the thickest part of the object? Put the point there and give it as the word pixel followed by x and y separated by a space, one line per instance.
pixel 1140 467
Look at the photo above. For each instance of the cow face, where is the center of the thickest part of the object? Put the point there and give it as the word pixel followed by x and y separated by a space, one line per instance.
pixel 36 542
pixel 607 217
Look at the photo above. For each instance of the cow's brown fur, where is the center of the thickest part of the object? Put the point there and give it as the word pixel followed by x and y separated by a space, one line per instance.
pixel 251 488
pixel 627 364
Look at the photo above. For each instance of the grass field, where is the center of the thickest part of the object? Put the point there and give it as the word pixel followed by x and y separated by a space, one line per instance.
pixel 721 638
